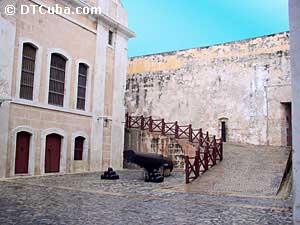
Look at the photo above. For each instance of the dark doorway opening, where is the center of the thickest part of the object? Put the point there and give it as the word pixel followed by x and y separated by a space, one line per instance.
pixel 78 151
pixel 22 153
pixel 288 123
pixel 52 154
pixel 223 131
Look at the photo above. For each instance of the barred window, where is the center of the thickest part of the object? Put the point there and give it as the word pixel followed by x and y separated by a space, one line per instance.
pixel 81 88
pixel 27 75
pixel 78 151
pixel 57 80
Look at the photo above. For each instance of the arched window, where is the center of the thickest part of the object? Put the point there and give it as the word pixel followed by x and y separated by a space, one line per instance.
pixel 27 75
pixel 78 151
pixel 81 87
pixel 57 80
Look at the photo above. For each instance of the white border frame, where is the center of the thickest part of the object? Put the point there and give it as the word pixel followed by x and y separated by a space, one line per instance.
pixel 31 159
pixel 88 85
pixel 68 76
pixel 63 149
pixel 37 69
pixel 85 155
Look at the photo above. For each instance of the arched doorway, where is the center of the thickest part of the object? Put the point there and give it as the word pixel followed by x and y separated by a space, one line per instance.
pixel 78 150
pixel 22 153
pixel 52 153
pixel 223 131
pixel 223 126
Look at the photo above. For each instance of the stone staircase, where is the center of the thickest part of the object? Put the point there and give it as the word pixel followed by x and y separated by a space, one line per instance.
pixel 201 151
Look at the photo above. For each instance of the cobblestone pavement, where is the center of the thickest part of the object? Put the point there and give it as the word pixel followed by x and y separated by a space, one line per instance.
pixel 85 199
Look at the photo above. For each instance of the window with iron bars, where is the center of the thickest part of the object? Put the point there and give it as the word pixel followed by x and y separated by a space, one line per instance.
pixel 57 80
pixel 81 87
pixel 27 75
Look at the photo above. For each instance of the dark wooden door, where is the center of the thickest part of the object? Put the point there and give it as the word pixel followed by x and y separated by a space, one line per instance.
pixel 223 131
pixel 52 154
pixel 22 153
pixel 289 124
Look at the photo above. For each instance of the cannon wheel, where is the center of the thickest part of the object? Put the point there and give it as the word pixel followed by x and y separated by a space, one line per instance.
pixel 146 176
pixel 164 172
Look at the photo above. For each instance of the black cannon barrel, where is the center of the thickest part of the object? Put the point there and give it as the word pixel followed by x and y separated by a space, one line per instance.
pixel 149 161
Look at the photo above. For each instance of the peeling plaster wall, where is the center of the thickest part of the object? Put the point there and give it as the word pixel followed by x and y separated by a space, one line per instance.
pixel 294 10
pixel 242 82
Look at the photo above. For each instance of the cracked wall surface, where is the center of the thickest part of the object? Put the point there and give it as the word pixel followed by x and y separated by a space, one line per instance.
pixel 244 83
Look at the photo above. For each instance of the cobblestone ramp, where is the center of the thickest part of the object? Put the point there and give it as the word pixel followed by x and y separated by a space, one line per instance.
pixel 245 170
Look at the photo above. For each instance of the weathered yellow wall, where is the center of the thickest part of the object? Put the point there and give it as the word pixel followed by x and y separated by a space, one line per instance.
pixel 243 82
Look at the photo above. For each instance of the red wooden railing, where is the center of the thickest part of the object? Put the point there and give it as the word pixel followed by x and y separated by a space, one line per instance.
pixel 209 149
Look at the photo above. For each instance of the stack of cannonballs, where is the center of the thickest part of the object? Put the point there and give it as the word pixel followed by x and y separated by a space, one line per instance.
pixel 110 174
pixel 154 177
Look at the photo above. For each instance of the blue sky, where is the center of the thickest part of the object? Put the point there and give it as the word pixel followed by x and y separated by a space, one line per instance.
pixel 169 25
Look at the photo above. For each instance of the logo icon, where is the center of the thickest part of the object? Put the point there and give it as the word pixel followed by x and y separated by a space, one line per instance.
pixel 10 10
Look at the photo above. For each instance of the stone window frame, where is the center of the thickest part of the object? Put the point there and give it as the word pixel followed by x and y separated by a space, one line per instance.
pixel 31 160
pixel 68 73
pixel 88 85
pixel 85 155
pixel 63 149
pixel 37 70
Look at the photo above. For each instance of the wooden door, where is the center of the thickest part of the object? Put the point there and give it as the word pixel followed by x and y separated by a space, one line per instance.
pixel 223 131
pixel 289 124
pixel 22 153
pixel 52 153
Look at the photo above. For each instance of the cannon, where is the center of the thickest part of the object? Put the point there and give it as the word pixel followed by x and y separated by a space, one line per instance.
pixel 110 174
pixel 152 163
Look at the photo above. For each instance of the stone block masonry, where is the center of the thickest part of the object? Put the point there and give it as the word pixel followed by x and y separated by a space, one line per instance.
pixel 244 85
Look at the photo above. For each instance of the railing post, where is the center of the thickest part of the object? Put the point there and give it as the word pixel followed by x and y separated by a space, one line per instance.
pixel 176 130
pixel 190 133
pixel 221 150
pixel 197 163
pixel 129 121
pixel 163 127
pixel 207 136
pixel 206 159
pixel 142 123
pixel 214 153
pixel 201 136
pixel 187 178
pixel 201 142
pixel 150 124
